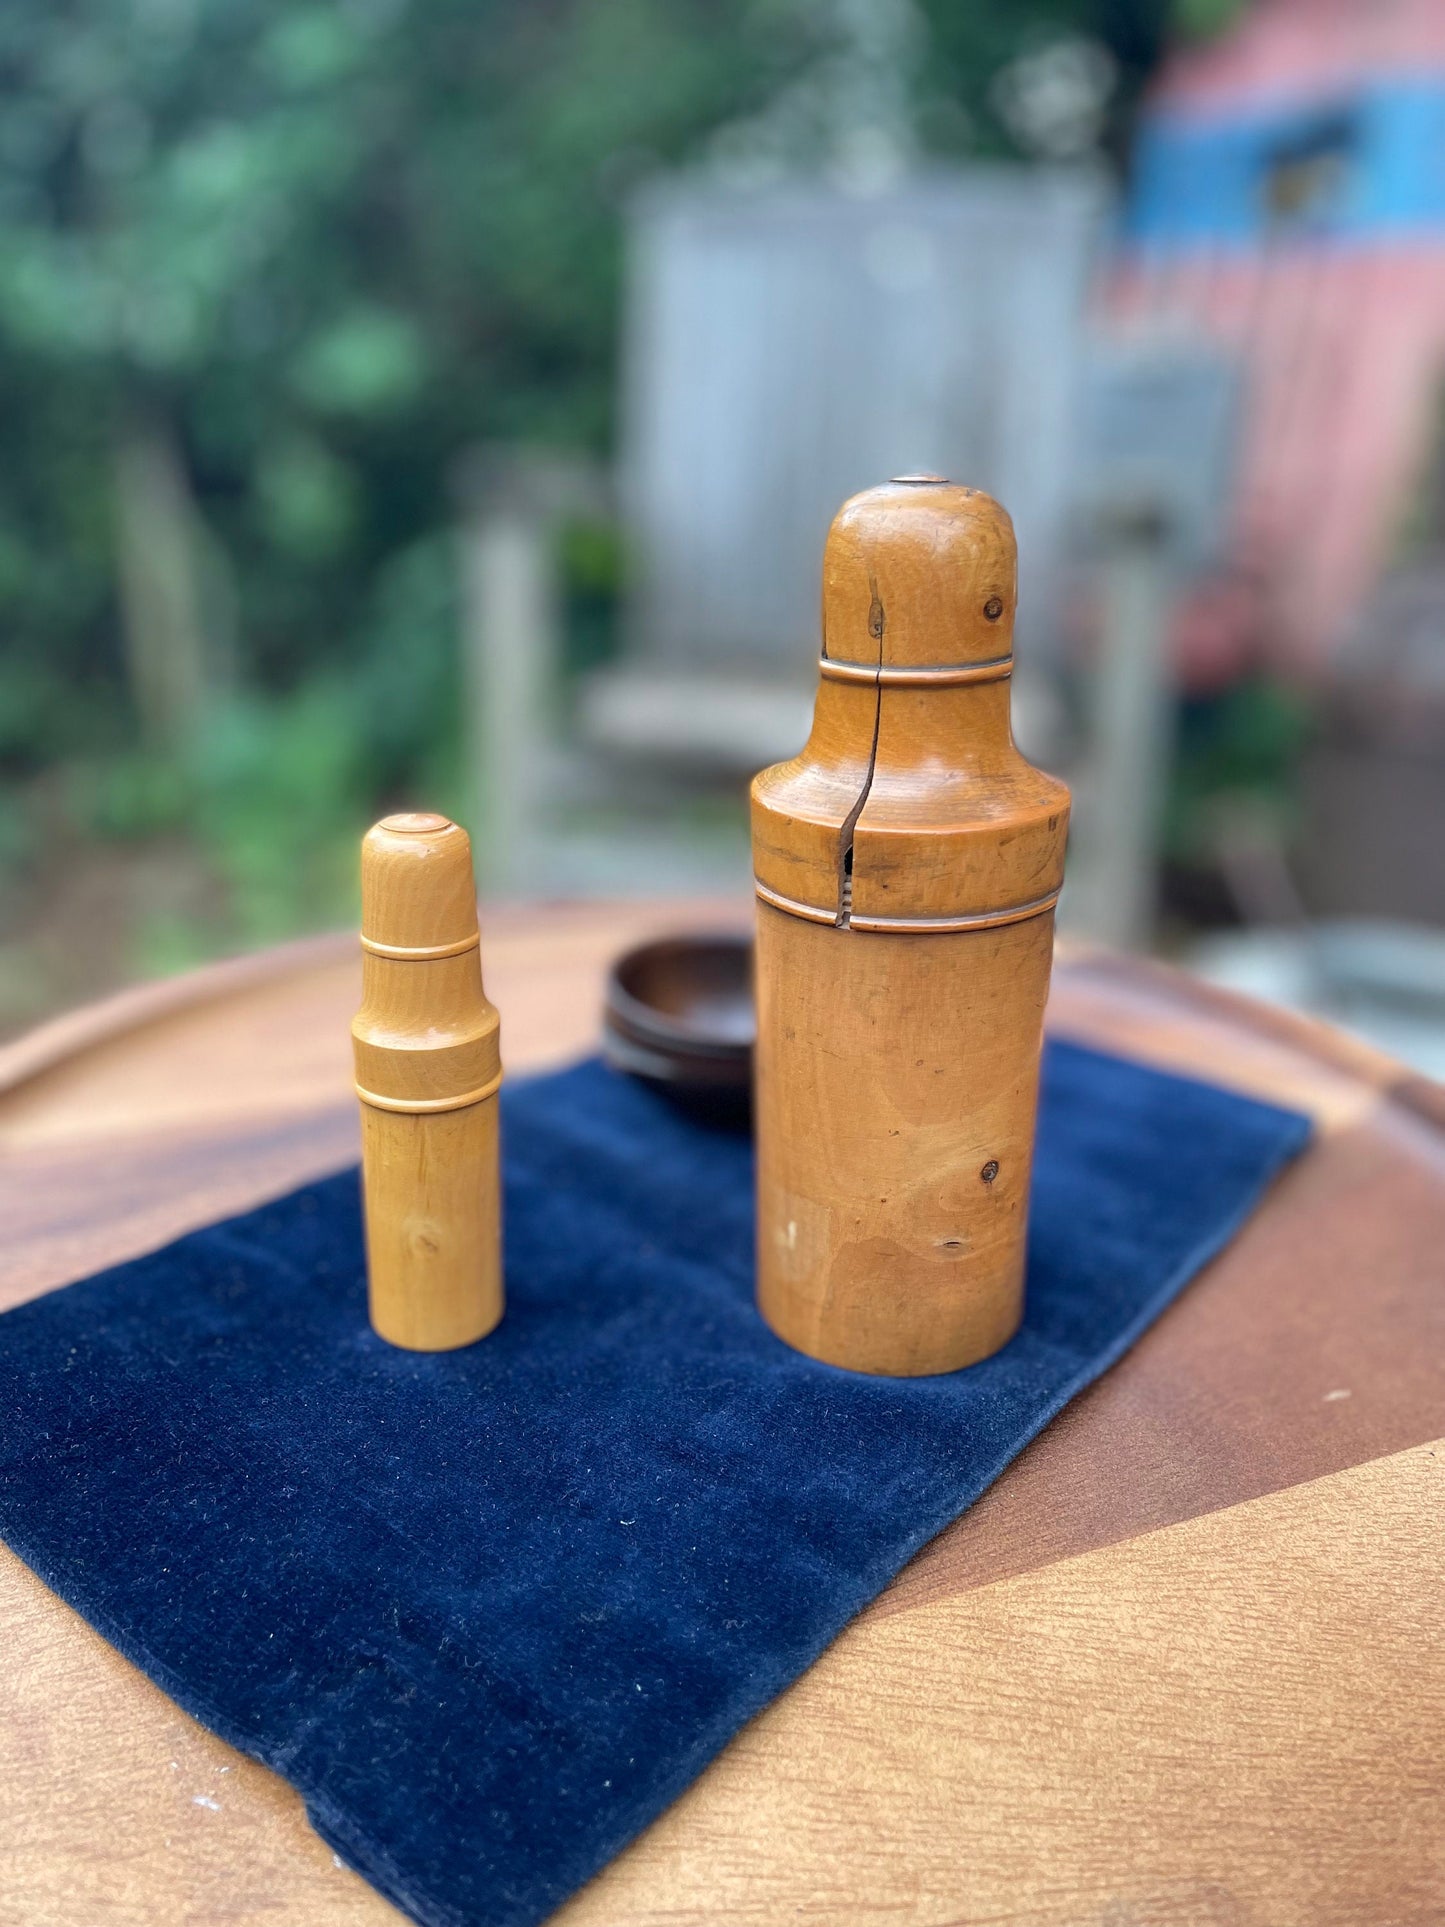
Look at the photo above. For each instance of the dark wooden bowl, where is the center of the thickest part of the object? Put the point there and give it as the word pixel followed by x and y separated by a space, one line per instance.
pixel 679 1015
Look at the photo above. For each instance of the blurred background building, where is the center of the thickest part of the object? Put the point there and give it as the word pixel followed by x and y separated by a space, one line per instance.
pixel 444 401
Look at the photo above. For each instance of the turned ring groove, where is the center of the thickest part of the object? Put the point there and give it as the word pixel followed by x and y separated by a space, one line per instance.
pixel 910 926
pixel 934 675
pixel 426 1105
pixel 404 955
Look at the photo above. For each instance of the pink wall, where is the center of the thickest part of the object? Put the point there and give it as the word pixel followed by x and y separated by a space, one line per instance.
pixel 1341 337
pixel 1342 355
pixel 1284 49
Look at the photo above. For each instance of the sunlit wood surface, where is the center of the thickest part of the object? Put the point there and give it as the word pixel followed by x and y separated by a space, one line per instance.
pixel 1181 1665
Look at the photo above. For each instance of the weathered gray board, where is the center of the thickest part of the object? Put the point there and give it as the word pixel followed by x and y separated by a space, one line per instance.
pixel 788 346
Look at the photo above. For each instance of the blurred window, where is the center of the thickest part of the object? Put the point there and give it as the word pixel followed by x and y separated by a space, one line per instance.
pixel 1307 174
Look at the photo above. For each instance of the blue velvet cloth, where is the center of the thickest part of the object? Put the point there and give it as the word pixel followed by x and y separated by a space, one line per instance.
pixel 491 1610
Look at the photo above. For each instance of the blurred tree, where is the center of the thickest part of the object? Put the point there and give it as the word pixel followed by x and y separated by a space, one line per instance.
pixel 267 266
pixel 288 258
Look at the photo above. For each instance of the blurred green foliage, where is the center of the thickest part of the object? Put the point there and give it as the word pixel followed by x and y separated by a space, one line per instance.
pixel 313 253
pixel 1240 744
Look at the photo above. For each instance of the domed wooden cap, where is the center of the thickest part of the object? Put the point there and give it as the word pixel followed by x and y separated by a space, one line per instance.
pixel 921 572
pixel 418 897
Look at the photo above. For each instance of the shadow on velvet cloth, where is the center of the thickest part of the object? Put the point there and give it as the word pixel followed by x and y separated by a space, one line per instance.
pixel 491 1610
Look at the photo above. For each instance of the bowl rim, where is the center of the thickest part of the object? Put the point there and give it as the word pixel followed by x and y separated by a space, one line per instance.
pixel 646 1024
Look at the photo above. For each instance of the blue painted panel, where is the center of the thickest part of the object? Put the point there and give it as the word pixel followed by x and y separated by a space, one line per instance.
pixel 1362 166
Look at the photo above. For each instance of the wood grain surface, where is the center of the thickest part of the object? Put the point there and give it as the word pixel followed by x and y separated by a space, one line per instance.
pixel 907 863
pixel 895 1097
pixel 428 1062
pixel 1181 1665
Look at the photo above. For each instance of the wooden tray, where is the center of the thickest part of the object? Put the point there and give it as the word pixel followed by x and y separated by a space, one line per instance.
pixel 1182 1664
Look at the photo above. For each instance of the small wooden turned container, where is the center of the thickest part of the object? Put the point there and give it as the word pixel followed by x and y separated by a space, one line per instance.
pixel 428 1068
pixel 907 864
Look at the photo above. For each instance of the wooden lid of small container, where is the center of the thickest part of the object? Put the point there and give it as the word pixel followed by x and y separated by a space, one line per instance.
pixel 418 896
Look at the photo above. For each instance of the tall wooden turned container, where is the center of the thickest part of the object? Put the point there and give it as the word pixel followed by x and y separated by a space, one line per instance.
pixel 428 1068
pixel 907 864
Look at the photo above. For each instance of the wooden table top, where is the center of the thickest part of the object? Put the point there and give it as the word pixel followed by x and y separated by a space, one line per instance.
pixel 1181 1665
